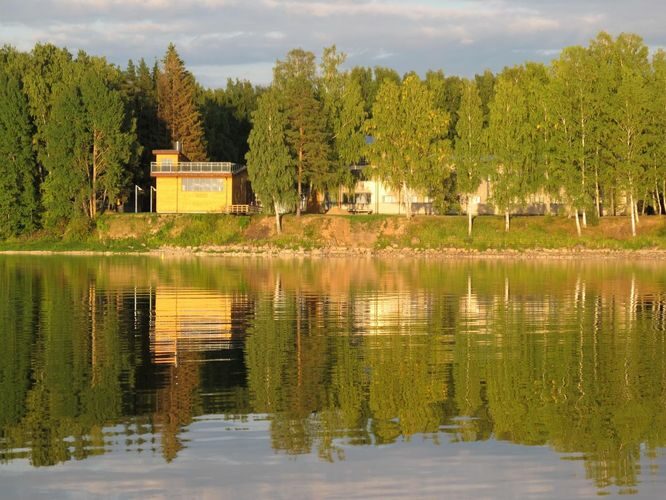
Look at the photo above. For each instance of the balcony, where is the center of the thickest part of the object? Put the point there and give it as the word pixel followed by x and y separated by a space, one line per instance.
pixel 195 167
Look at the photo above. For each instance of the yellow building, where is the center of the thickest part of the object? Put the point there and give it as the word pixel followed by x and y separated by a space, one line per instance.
pixel 185 186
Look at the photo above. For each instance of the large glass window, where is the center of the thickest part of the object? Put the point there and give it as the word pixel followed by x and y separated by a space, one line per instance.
pixel 202 184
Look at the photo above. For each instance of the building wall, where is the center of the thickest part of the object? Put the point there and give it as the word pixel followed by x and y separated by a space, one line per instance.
pixel 241 191
pixel 538 203
pixel 172 199
pixel 376 197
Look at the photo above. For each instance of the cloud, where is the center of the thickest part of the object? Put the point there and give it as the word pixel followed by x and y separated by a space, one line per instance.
pixel 460 36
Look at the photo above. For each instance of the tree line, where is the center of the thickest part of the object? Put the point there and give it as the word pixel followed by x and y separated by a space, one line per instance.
pixel 76 132
pixel 586 131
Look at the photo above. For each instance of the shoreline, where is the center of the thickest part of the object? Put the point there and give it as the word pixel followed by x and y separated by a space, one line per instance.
pixel 242 251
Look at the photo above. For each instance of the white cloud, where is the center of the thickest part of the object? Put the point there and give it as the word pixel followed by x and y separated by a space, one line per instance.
pixel 459 36
pixel 275 35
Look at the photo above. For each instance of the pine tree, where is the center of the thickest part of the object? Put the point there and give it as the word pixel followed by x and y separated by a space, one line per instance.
pixel 470 168
pixel 177 106
pixel 410 150
pixel 306 123
pixel 141 95
pixel 269 164
pixel 18 197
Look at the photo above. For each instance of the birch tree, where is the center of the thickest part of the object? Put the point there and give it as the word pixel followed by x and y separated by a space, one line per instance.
pixel 630 120
pixel 409 152
pixel 469 165
pixel 573 102
pixel 269 164
pixel 344 108
pixel 507 138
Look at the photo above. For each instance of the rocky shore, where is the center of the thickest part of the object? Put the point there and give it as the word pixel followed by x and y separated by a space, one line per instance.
pixel 244 251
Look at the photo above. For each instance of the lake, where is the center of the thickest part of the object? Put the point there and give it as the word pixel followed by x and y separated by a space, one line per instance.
pixel 298 378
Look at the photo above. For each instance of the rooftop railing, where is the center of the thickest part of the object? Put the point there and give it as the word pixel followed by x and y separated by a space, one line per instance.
pixel 195 167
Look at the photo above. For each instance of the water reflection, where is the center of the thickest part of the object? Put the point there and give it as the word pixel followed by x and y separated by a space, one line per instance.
pixel 120 355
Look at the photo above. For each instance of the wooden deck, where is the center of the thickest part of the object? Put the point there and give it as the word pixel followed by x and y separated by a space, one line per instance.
pixel 243 209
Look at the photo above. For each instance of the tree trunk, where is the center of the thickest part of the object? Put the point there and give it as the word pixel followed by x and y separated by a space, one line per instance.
pixel 507 221
pixel 300 176
pixel 655 201
pixel 578 231
pixel 93 204
pixel 638 221
pixel 469 215
pixel 408 201
pixel 584 218
pixel 300 188
pixel 632 215
pixel 278 220
pixel 658 200
pixel 597 193
pixel 612 200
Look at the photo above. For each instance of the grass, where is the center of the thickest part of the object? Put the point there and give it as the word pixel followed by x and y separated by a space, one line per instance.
pixel 525 233
pixel 141 232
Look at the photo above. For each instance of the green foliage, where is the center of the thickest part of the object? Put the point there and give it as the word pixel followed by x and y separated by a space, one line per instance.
pixel 177 107
pixel 269 164
pixel 409 151
pixel 508 140
pixel 469 145
pixel 89 143
pixel 486 85
pixel 306 133
pixel 138 88
pixel 345 114
pixel 227 118
pixel 18 197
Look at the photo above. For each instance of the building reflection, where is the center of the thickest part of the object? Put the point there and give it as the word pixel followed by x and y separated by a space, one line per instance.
pixel 188 320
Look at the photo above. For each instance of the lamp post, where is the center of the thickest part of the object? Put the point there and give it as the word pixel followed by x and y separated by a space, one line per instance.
pixel 136 198
pixel 152 189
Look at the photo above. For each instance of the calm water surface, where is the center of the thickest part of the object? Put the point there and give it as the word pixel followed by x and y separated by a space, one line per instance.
pixel 147 377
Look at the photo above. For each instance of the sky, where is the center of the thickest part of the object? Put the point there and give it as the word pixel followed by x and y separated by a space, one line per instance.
pixel 220 39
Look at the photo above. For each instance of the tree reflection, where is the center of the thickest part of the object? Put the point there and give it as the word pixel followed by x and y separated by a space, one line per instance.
pixel 341 354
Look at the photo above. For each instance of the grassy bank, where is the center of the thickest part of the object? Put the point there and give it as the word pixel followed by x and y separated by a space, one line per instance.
pixel 145 232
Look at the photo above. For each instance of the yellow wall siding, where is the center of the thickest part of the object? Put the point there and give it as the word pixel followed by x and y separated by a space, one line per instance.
pixel 172 199
pixel 167 194
pixel 173 158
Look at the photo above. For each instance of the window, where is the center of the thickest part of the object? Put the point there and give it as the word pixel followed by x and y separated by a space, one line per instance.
pixel 202 185
pixel 389 198
pixel 363 198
